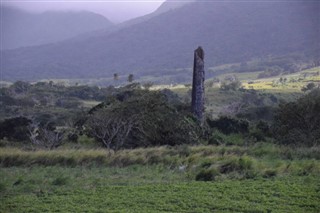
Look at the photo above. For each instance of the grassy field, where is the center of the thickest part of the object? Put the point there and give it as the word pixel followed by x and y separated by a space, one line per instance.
pixel 149 189
pixel 262 178
pixel 294 82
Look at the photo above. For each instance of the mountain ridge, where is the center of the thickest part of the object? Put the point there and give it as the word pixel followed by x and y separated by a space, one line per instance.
pixel 228 32
pixel 21 28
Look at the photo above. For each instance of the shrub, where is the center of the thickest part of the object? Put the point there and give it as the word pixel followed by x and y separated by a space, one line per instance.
pixel 207 175
pixel 228 125
pixel 60 181
pixel 218 138
pixel 308 87
pixel 2 187
pixel 241 165
pixel 231 83
pixel 261 131
pixel 270 173
pixel 298 122
pixel 15 129
pixel 136 118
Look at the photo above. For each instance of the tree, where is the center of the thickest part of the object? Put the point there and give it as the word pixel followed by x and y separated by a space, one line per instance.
pixel 228 125
pixel 20 87
pixel 141 118
pixel 147 85
pixel 298 122
pixel 115 76
pixel 15 129
pixel 110 128
pixel 231 83
pixel 308 87
pixel 46 136
pixel 130 78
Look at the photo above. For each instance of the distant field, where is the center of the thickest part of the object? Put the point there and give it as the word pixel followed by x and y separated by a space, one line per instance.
pixel 293 82
pixel 244 76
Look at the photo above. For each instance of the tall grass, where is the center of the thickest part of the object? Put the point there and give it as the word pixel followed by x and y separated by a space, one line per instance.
pixel 232 161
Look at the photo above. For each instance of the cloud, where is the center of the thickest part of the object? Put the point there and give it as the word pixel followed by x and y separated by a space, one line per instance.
pixel 116 11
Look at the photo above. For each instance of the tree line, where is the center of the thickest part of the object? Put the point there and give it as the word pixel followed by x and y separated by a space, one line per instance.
pixel 131 117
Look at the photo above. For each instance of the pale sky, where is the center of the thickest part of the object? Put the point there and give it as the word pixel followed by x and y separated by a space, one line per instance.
pixel 115 11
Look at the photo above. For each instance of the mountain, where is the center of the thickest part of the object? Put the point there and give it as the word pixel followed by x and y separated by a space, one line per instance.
pixel 164 7
pixel 171 5
pixel 21 28
pixel 228 31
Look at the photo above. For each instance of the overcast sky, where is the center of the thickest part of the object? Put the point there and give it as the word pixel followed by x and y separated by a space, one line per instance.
pixel 116 10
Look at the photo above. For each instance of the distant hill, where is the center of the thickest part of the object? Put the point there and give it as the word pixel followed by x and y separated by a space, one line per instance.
pixel 228 31
pixel 164 7
pixel 21 28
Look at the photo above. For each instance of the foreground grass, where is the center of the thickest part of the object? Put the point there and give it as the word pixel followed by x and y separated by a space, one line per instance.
pixel 259 178
pixel 149 189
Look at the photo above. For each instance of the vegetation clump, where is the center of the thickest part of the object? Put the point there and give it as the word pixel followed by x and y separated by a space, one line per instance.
pixel 228 125
pixel 298 122
pixel 207 175
pixel 142 118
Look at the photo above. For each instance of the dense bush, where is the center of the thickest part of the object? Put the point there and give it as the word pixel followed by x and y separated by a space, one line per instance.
pixel 298 122
pixel 228 125
pixel 256 113
pixel 218 138
pixel 136 118
pixel 231 84
pixel 207 175
pixel 261 131
pixel 15 129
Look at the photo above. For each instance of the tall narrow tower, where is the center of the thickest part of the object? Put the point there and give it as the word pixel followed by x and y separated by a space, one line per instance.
pixel 198 84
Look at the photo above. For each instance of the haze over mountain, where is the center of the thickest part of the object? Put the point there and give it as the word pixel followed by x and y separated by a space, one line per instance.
pixel 116 11
pixel 21 28
pixel 165 7
pixel 228 31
